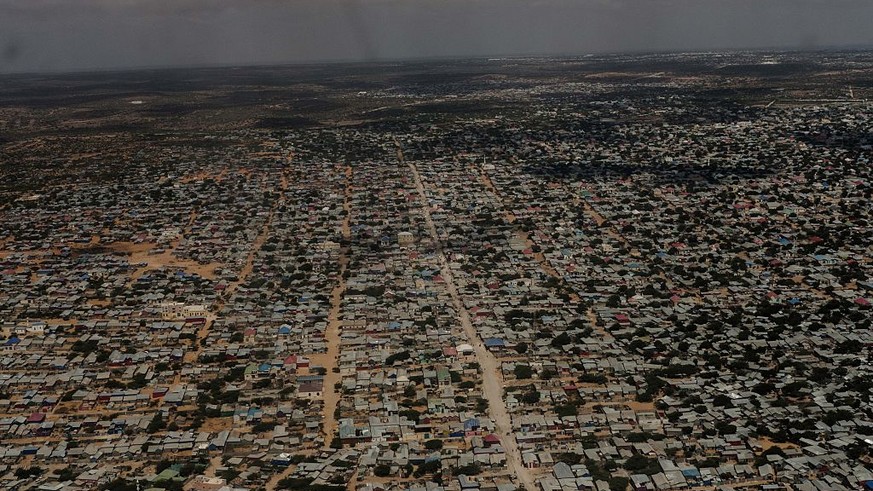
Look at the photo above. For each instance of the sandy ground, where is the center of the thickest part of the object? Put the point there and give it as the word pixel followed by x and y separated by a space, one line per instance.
pixel 200 176
pixel 597 217
pixel 214 463
pixel 141 253
pixel 636 406
pixel 334 320
pixel 202 333
pixel 766 443
pixel 249 265
pixel 592 319
pixel 492 379
pixel 215 425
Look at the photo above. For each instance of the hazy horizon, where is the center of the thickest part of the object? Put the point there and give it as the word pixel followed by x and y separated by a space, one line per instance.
pixel 88 35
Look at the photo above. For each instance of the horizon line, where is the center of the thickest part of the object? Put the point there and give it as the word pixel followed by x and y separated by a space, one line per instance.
pixel 434 58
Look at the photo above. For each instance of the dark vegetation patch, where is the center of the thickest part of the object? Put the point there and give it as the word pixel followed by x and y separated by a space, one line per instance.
pixel 454 107
pixel 660 172
pixel 388 112
pixel 433 78
pixel 767 70
pixel 170 109
pixel 837 136
pixel 291 123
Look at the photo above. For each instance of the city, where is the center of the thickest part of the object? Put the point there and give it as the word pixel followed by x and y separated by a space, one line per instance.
pixel 628 272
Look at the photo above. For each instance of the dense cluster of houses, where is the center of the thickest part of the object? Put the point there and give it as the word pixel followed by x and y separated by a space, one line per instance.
pixel 677 293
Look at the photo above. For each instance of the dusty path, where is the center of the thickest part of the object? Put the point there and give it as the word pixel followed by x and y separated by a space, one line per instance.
pixel 594 214
pixel 214 463
pixel 262 236
pixel 334 320
pixel 329 360
pixel 539 257
pixel 246 270
pixel 197 346
pixel 592 319
pixel 249 264
pixel 492 378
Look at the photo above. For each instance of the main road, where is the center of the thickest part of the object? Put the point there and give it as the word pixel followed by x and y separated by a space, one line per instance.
pixel 492 376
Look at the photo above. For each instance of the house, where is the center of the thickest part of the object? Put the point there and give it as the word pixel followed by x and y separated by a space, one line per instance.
pixel 495 344
pixel 311 389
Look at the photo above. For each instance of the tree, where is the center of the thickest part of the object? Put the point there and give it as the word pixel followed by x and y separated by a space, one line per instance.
pixel 157 423
pixel 597 472
pixel 65 474
pixel 722 400
pixel 400 356
pixel 638 463
pixel 560 340
pixel 532 396
pixel 119 485
pixel 482 406
pixel 618 483
pixel 638 437
pixel 32 471
pixel 725 428
pixel 762 459
pixel 644 396
pixel 410 414
pixel 764 388
pixel 593 378
pixel 565 410
pixel 569 458
pixel 428 468
pixel 820 375
pixel 187 469
pixel 469 469
pixel 263 427
pixel 522 371
pixel 229 474
pixel 162 465
pixel 382 470
pixel 433 444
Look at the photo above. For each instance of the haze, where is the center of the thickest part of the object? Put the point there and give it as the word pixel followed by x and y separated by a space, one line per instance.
pixel 71 35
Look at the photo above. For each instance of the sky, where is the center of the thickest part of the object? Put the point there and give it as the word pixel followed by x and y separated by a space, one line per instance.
pixel 75 35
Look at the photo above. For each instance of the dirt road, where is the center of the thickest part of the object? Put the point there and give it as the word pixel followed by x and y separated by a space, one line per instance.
pixel 510 218
pixel 492 378
pixel 334 320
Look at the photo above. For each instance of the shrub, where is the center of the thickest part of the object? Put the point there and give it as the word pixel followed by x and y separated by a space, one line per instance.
pixel 433 444
pixel 522 371
pixel 428 468
pixel 618 483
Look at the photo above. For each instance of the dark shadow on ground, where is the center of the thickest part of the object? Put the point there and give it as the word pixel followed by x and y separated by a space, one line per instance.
pixel 838 135
pixel 660 174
